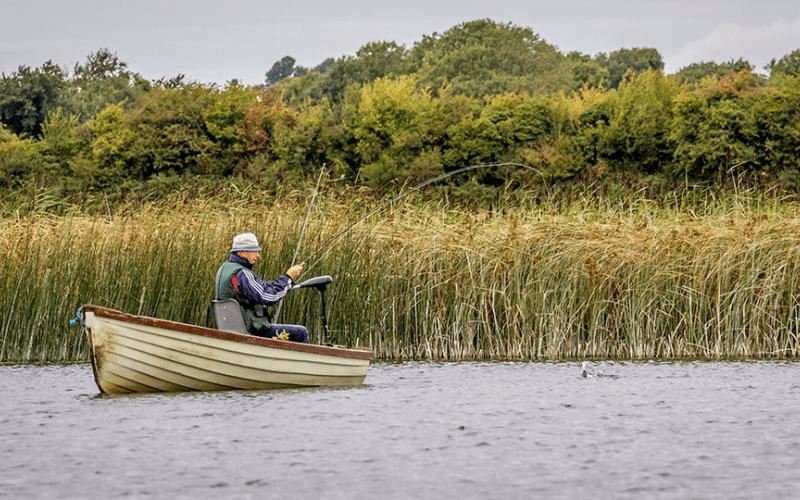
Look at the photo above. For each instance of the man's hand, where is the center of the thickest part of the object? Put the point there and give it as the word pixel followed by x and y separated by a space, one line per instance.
pixel 295 271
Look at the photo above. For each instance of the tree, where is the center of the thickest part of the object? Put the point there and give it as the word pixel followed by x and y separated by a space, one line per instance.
pixel 100 65
pixel 715 128
pixel 786 65
pixel 28 95
pixel 332 77
pixel 696 72
pixel 109 153
pixel 324 65
pixel 479 58
pixel 396 132
pixel 637 60
pixel 19 158
pixel 101 81
pixel 638 133
pixel 62 140
pixel 379 59
pixel 283 69
pixel 587 72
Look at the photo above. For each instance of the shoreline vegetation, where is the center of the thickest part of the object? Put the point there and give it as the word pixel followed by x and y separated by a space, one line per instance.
pixel 655 218
pixel 713 277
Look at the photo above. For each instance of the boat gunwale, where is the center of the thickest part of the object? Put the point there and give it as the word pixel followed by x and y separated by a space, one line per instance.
pixel 342 352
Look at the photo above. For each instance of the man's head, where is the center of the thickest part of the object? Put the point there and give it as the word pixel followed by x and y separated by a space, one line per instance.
pixel 246 245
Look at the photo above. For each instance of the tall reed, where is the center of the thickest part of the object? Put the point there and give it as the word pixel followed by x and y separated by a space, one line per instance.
pixel 636 281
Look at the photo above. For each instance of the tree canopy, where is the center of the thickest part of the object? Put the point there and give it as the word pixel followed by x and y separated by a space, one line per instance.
pixel 480 92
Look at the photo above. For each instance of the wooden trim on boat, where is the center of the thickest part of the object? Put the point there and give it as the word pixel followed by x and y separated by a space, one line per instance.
pixel 235 337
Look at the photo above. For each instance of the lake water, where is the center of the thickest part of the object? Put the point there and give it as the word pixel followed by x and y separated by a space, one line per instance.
pixel 414 430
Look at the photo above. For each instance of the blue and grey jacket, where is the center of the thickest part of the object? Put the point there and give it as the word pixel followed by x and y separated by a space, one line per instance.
pixel 236 280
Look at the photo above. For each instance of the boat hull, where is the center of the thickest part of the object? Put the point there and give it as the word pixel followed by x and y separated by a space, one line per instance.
pixel 139 354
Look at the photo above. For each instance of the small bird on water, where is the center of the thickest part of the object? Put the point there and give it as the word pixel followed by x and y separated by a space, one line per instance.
pixel 588 370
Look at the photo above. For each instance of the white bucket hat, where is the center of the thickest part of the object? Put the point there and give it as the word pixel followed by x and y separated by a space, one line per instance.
pixel 245 242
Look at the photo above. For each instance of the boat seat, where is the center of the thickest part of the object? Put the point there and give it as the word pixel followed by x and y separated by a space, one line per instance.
pixel 228 316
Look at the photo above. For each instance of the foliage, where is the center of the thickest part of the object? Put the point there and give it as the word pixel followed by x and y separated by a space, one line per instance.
pixel 62 140
pixel 639 123
pixel 102 80
pixel 788 65
pixel 696 72
pixel 480 58
pixel 111 142
pixel 20 159
pixel 621 62
pixel 587 72
pixel 715 128
pixel 778 125
pixel 283 69
pixel 396 132
pixel 481 92
pixel 28 95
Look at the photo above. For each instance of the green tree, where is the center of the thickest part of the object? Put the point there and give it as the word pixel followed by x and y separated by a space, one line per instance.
pixel 789 64
pixel 282 69
pixel 63 139
pixel 715 128
pixel 19 159
pixel 395 132
pixel 28 95
pixel 170 133
pixel 223 118
pixel 586 71
pixel 638 133
pixel 479 58
pixel 103 79
pixel 331 79
pixel 380 59
pixel 107 161
pixel 778 128
pixel 696 72
pixel 100 65
pixel 531 129
pixel 636 60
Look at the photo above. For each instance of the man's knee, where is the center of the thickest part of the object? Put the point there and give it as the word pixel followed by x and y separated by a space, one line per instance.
pixel 300 335
pixel 297 333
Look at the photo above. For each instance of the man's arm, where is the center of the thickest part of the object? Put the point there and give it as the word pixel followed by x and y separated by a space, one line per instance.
pixel 260 291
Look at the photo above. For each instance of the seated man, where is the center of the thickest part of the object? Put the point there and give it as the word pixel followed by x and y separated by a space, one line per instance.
pixel 236 280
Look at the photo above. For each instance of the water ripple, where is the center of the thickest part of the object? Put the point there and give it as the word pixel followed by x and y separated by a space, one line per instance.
pixel 414 430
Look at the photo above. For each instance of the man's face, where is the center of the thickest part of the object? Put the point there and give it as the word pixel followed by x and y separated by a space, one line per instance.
pixel 251 257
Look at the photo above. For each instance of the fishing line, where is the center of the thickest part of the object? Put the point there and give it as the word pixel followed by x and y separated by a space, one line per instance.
pixel 330 242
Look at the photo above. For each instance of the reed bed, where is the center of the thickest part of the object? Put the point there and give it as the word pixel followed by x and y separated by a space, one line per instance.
pixel 419 281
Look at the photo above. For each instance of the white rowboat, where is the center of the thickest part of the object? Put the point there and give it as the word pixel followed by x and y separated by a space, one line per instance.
pixel 140 354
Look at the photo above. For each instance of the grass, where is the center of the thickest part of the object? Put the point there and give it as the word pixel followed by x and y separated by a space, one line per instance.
pixel 634 279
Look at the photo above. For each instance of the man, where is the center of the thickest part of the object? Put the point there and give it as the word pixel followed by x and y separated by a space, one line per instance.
pixel 236 280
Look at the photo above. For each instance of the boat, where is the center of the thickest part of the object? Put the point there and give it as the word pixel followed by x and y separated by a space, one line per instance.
pixel 136 354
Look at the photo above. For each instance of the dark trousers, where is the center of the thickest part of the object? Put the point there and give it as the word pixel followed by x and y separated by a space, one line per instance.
pixel 297 333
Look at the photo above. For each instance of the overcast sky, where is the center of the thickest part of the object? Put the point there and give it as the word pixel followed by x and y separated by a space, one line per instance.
pixel 220 40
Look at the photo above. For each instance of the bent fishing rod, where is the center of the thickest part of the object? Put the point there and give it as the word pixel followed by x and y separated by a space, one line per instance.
pixel 316 257
pixel 325 247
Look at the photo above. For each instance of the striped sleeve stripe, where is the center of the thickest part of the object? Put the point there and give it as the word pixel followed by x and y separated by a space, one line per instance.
pixel 257 287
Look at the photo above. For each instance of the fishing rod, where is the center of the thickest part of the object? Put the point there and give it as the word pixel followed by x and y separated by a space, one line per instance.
pixel 303 232
pixel 325 279
pixel 308 212
pixel 380 207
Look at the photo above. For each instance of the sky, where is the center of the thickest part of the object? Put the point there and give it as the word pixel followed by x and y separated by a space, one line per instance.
pixel 216 41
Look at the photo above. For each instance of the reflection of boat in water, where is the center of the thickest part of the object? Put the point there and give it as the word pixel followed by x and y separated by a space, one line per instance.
pixel 141 354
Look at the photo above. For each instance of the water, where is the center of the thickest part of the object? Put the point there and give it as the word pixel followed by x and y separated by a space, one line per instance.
pixel 415 430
